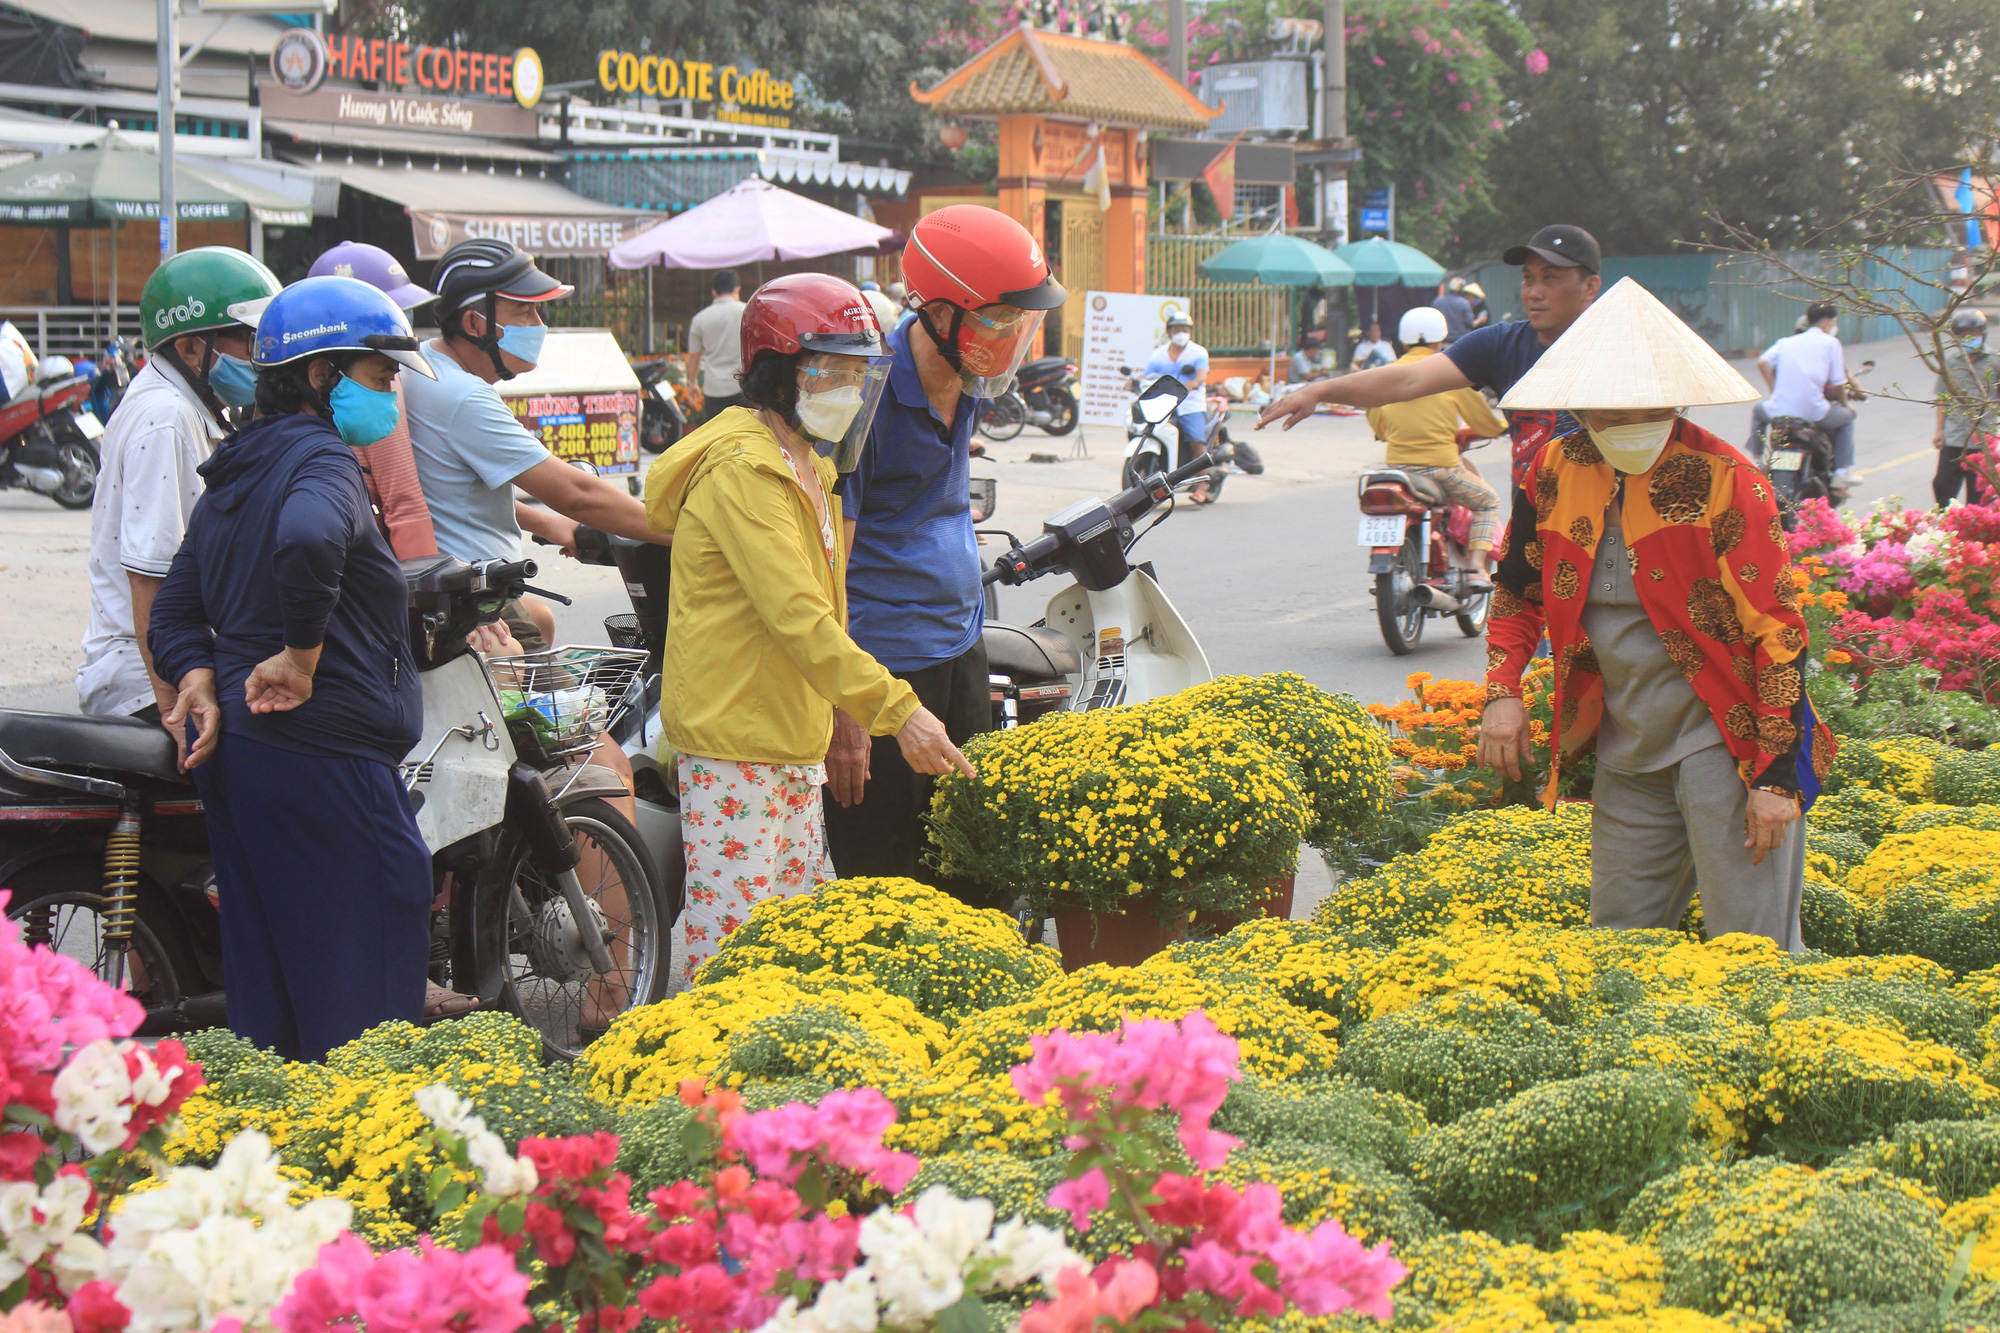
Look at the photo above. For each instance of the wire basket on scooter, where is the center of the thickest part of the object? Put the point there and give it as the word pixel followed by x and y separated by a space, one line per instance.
pixel 558 701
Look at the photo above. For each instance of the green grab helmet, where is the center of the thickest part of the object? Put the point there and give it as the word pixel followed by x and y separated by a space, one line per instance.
pixel 192 292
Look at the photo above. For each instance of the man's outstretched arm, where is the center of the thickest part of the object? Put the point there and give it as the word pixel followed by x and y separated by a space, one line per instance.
pixel 1397 383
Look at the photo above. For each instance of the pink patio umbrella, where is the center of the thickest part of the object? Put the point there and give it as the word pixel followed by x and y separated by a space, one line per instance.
pixel 751 222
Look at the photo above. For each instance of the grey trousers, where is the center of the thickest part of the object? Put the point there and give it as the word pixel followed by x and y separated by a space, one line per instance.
pixel 1655 838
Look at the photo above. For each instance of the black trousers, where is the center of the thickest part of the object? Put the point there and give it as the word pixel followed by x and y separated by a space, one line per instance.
pixel 884 833
pixel 1952 477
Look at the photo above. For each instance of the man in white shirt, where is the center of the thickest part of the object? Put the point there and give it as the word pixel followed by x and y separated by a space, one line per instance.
pixel 166 426
pixel 1374 351
pixel 715 347
pixel 1807 377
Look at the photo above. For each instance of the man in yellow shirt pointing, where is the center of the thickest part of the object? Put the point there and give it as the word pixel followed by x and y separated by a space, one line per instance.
pixel 1422 438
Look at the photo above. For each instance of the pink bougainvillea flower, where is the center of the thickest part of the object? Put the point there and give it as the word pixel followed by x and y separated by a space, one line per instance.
pixel 1082 1197
pixel 1537 61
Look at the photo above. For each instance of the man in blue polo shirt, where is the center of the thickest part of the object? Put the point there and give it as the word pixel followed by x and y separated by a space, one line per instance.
pixel 1559 267
pixel 979 286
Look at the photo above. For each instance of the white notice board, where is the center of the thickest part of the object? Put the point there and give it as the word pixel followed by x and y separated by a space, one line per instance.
pixel 1119 329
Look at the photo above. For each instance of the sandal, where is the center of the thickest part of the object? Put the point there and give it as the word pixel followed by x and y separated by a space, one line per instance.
pixel 1200 496
pixel 440 1002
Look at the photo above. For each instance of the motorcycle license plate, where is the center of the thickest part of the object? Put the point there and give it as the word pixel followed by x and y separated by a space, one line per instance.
pixel 88 423
pixel 1381 530
pixel 1786 460
pixel 665 391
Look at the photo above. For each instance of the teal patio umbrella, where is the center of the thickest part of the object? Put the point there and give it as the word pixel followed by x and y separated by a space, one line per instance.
pixel 1380 263
pixel 116 180
pixel 1277 260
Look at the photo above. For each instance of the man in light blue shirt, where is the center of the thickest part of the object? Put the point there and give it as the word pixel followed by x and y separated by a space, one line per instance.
pixel 1187 361
pixel 471 452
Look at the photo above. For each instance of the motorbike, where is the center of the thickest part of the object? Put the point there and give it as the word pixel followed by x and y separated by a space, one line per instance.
pixel 1110 636
pixel 1046 388
pixel 112 375
pixel 1419 555
pixel 48 436
pixel 545 892
pixel 1147 452
pixel 662 417
pixel 1798 458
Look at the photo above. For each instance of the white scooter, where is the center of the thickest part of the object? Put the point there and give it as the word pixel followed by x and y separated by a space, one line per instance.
pixel 1112 636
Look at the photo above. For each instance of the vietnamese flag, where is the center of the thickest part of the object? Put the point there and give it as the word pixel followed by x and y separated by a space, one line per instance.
pixel 1220 177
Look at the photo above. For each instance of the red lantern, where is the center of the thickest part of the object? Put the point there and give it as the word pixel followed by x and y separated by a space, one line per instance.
pixel 953 136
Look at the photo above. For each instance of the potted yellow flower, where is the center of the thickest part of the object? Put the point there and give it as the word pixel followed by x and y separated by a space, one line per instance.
pixel 1122 822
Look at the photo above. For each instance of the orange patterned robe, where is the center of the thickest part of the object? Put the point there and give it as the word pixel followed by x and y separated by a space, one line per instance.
pixel 1713 571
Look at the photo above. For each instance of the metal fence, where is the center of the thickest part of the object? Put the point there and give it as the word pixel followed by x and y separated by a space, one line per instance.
pixel 1743 305
pixel 606 298
pixel 71 330
pixel 1230 318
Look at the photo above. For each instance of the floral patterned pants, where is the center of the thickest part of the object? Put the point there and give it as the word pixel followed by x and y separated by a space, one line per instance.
pixel 751 832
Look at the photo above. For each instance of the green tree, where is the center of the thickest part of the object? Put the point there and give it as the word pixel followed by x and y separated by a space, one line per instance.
pixel 1777 117
pixel 1424 90
pixel 853 60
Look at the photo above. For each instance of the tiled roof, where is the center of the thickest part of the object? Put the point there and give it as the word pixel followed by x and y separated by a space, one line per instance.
pixel 1076 78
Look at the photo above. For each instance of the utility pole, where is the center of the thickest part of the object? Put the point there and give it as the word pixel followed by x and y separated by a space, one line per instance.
pixel 1333 117
pixel 170 79
pixel 1177 40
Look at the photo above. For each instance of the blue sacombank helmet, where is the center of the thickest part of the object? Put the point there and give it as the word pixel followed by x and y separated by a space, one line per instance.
pixel 318 316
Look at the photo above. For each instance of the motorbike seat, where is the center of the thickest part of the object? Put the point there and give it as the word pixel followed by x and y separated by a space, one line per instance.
pixel 116 748
pixel 1420 486
pixel 1029 650
pixel 1041 368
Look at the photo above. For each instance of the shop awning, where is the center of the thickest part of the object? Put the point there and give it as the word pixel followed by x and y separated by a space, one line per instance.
pixel 448 206
pixel 813 169
pixel 331 142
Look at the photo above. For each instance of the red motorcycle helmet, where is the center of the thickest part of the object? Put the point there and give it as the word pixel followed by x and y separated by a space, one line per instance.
pixel 843 363
pixel 995 277
pixel 812 311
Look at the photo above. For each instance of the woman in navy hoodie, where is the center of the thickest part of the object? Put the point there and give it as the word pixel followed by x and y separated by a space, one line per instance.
pixel 283 625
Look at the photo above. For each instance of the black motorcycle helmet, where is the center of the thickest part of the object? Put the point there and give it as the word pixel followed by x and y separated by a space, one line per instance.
pixel 473 274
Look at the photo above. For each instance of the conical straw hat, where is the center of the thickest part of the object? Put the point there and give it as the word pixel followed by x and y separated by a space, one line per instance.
pixel 1629 351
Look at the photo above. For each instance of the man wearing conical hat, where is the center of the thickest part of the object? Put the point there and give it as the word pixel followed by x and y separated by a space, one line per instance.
pixel 1651 554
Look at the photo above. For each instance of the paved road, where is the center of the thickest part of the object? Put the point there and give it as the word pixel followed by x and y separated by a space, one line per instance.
pixel 1269 578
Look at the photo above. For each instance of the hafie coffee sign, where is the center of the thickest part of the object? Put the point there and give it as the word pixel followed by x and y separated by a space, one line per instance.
pixel 437 69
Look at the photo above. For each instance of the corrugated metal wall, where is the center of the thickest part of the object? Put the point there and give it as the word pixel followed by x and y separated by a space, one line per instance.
pixel 1740 306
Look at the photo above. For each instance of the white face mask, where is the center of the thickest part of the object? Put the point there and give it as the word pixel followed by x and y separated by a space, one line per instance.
pixel 1633 448
pixel 826 416
pixel 1178 339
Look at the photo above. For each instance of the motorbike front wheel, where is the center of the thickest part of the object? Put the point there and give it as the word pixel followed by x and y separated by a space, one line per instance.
pixel 1002 418
pixel 1140 466
pixel 547 980
pixel 1062 403
pixel 1472 620
pixel 1396 605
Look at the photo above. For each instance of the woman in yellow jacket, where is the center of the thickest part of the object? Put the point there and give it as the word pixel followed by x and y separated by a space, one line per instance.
pixel 757 653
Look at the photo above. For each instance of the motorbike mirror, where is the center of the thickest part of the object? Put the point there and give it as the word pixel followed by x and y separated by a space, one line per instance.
pixel 1159 399
pixel 1867 366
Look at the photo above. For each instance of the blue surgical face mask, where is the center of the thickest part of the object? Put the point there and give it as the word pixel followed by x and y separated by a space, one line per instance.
pixel 363 415
pixel 524 341
pixel 233 379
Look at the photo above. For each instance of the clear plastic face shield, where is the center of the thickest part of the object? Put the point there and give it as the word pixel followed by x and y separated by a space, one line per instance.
pixel 838 396
pixel 986 345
